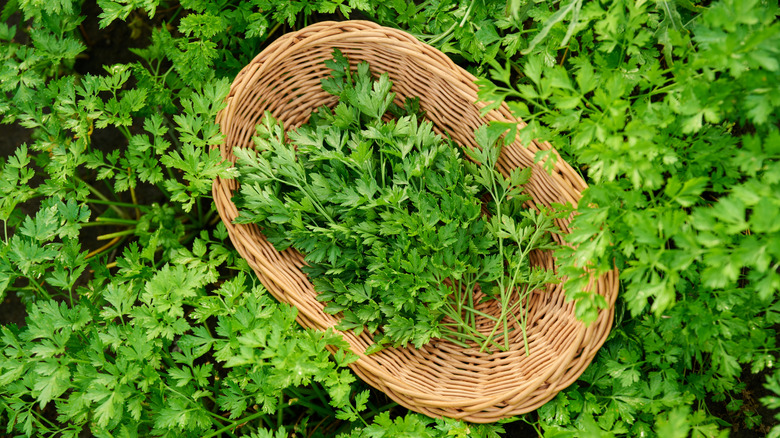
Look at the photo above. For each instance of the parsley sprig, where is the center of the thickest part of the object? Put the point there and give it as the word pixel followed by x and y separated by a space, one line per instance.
pixel 388 215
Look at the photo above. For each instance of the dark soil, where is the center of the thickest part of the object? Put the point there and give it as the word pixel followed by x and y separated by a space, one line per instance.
pixel 111 45
pixel 12 311
pixel 519 429
pixel 751 407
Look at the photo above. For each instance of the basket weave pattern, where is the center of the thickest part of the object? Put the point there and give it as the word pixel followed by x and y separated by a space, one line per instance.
pixel 441 379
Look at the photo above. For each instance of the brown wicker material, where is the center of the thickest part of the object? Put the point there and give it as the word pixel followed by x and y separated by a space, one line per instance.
pixel 441 379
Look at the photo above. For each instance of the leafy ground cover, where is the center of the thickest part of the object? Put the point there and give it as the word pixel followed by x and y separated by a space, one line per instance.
pixel 669 109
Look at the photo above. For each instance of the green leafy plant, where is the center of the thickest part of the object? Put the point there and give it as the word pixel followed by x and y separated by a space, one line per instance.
pixel 773 401
pixel 142 320
pixel 663 107
pixel 669 110
pixel 389 217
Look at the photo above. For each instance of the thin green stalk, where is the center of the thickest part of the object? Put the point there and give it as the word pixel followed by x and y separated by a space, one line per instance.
pixel 111 220
pixel 319 394
pixel 104 222
pixel 209 215
pixel 504 319
pixel 458 298
pixel 199 206
pixel 501 285
pixel 505 311
pixel 309 193
pixel 422 6
pixel 174 140
pixel 111 204
pixel 304 187
pixel 125 131
pixel 274 29
pixel 470 292
pixel 117 234
pixel 105 201
pixel 70 293
pixel 40 416
pixel 133 197
pixel 303 401
pixel 477 337
pixel 217 416
pixel 467 14
pixel 474 311
pixel 386 407
pixel 433 39
pixel 456 342
pixel 473 334
pixel 280 412
pixel 357 414
pixel 235 424
pixel 176 146
pixel 100 224
pixel 38 287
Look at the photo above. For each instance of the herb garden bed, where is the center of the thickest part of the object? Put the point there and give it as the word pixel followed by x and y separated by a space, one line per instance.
pixel 667 110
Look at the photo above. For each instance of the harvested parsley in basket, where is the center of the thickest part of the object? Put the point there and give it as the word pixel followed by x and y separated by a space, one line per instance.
pixel 389 217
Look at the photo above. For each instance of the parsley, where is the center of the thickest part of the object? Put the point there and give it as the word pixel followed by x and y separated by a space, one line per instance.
pixel 668 110
pixel 388 216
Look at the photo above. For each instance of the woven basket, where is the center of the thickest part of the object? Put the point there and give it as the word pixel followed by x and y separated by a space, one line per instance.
pixel 441 379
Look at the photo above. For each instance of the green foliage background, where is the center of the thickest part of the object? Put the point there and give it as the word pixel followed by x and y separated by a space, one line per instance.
pixel 669 109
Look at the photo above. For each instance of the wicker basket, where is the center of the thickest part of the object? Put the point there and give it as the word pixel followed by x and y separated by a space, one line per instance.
pixel 441 379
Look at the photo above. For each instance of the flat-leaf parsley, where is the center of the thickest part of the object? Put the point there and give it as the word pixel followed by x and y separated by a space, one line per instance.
pixel 389 217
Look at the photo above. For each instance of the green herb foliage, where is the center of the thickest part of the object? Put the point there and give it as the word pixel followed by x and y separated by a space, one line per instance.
pixel 669 109
pixel 178 350
pixel 157 328
pixel 388 216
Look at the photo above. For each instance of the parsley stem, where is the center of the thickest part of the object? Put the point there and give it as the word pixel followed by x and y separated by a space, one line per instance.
pixel 117 234
pixel 319 394
pixel 502 286
pixel 125 131
pixel 303 401
pixel 111 204
pixel 458 298
pixel 107 222
pixel 474 336
pixel 309 194
pixel 280 412
pixel 456 342
pixel 133 197
pixel 383 408
pixel 236 423
pixel 38 287
pixel 474 311
pixel 420 7
pixel 274 29
pixel 111 220
pixel 70 291
pixel 467 14
pixel 40 416
pixel 472 316
pixel 103 248
pixel 174 141
pixel 214 414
